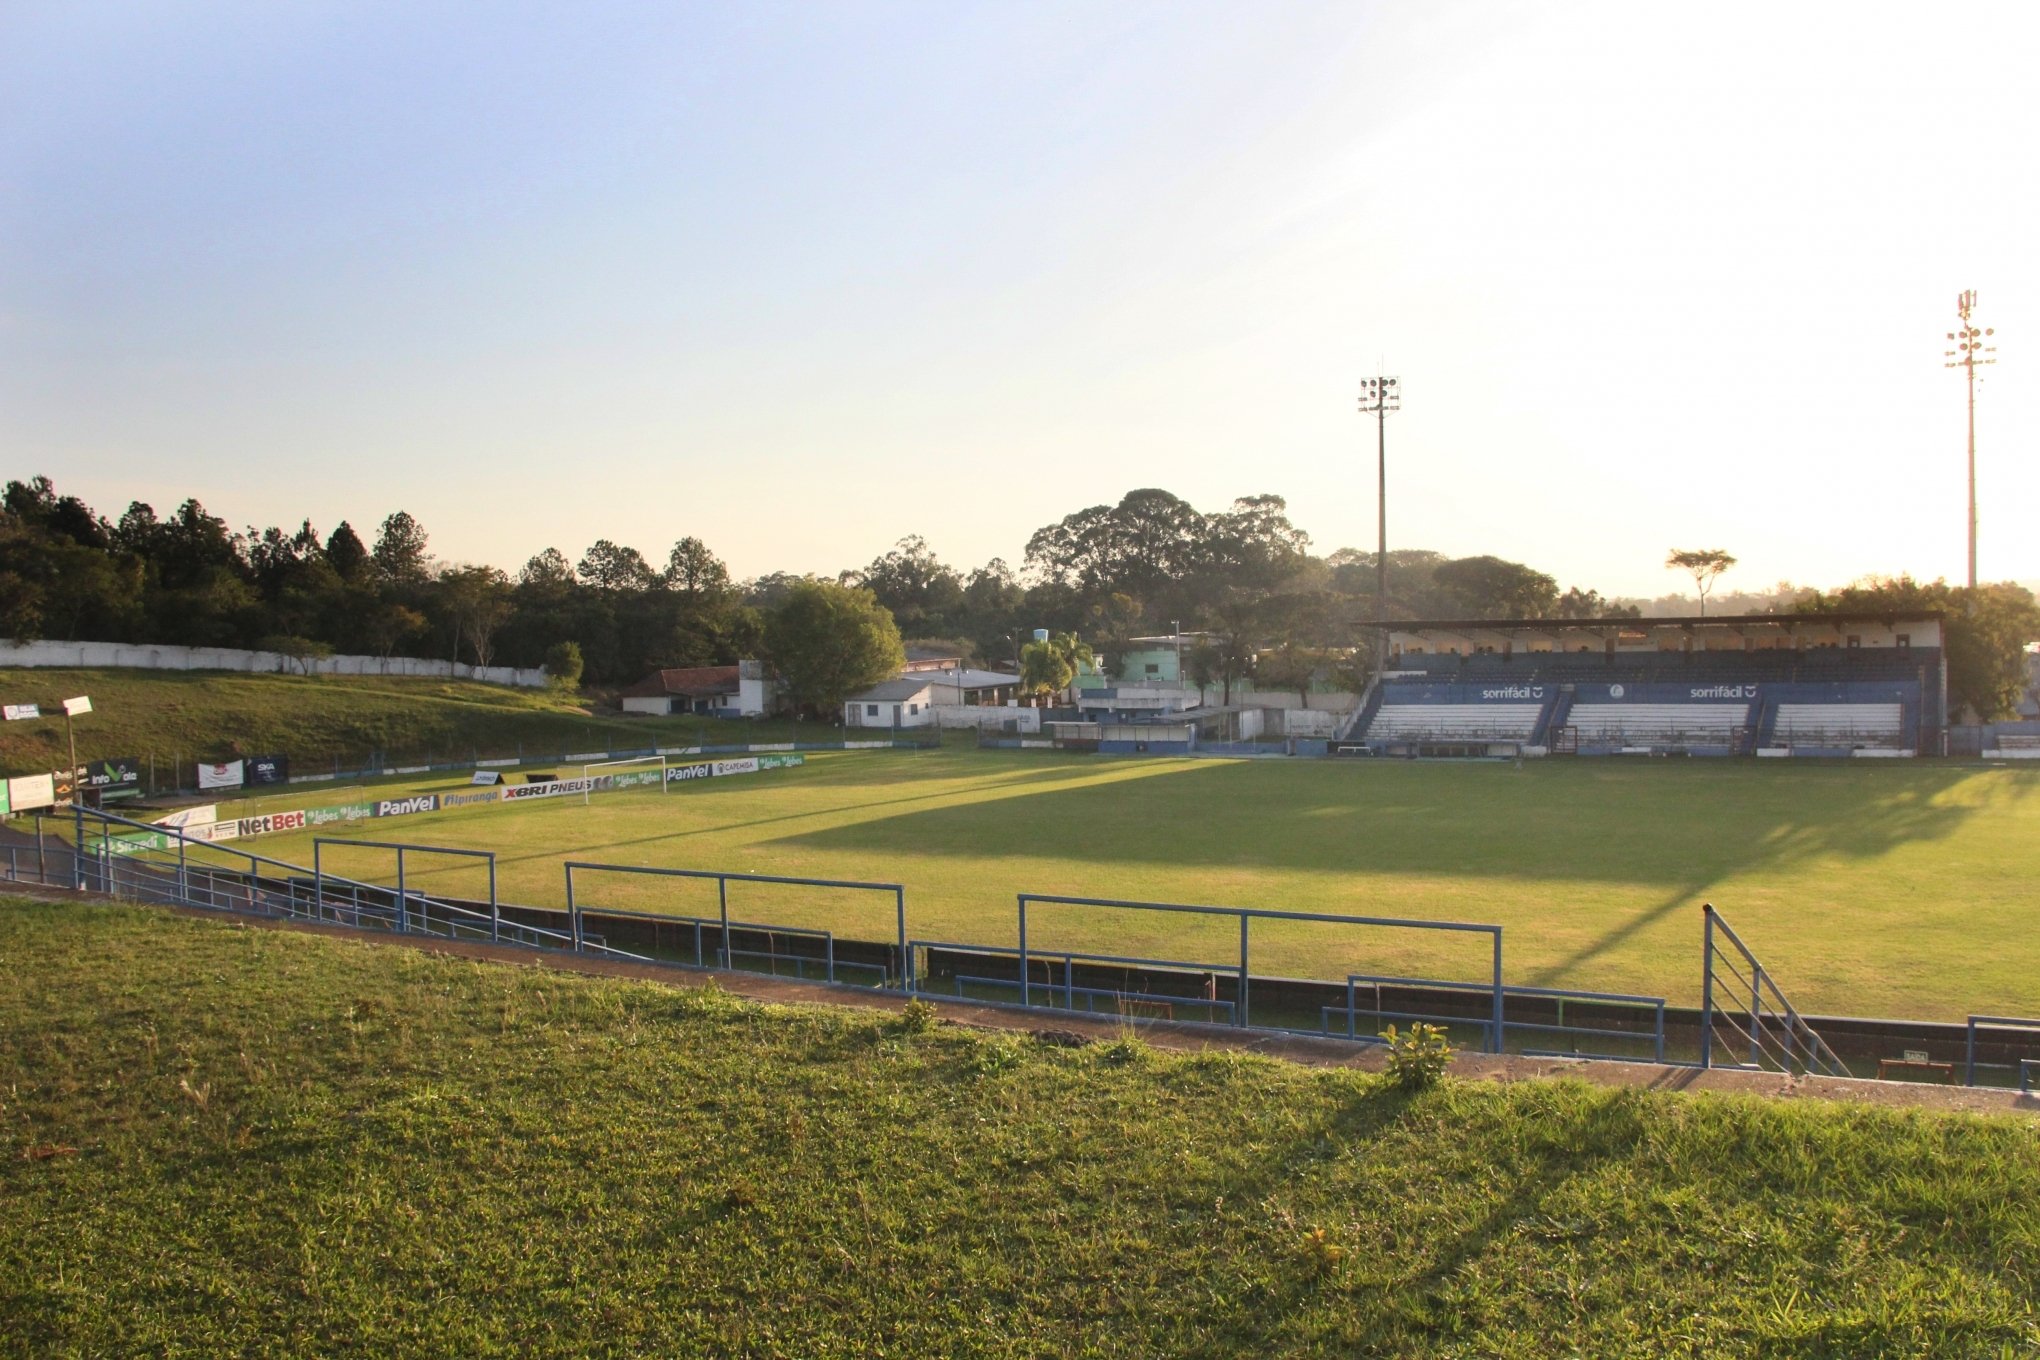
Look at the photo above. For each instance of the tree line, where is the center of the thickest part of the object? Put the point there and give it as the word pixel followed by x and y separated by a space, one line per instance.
pixel 1277 612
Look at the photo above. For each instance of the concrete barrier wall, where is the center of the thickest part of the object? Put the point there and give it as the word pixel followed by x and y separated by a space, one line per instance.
pixel 155 657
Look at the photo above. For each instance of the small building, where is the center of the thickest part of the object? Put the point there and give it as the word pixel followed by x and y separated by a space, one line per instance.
pixel 908 701
pixel 739 691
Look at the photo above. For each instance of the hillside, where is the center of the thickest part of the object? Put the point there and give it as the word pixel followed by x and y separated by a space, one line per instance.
pixel 230 1140
pixel 184 716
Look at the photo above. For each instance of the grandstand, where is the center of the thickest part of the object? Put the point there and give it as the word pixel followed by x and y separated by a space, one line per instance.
pixel 1759 684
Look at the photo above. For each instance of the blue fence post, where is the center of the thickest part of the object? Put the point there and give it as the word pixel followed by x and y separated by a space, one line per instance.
pixel 403 909
pixel 906 952
pixel 1025 998
pixel 574 918
pixel 77 848
pixel 722 897
pixel 318 882
pixel 1496 1035
pixel 1969 1055
pixel 1707 989
pixel 184 868
pixel 495 911
pixel 1245 973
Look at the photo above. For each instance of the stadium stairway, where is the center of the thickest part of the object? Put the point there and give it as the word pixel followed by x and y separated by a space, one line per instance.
pixel 1556 710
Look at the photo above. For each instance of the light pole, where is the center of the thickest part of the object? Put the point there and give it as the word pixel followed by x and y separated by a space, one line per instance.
pixel 1969 354
pixel 1379 396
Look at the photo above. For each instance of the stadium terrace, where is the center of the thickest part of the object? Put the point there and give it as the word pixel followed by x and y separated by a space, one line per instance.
pixel 1753 684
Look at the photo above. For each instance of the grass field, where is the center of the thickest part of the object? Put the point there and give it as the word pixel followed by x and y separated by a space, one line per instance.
pixel 187 716
pixel 1900 888
pixel 225 1141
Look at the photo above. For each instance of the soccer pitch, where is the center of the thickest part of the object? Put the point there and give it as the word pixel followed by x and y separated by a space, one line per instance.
pixel 1873 888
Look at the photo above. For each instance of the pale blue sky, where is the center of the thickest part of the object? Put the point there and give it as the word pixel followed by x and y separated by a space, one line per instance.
pixel 800 279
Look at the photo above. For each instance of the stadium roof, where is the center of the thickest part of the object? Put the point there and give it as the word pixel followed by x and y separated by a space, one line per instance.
pixel 1672 621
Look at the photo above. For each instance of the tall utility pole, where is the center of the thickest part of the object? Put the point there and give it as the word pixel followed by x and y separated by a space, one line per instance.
pixel 1969 354
pixel 1379 396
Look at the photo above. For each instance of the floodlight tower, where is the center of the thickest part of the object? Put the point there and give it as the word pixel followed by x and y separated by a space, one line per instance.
pixel 1379 396
pixel 1970 353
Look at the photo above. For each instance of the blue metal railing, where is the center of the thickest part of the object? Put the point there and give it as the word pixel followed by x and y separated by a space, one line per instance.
pixel 723 881
pixel 1778 1037
pixel 2025 1069
pixel 1654 1005
pixel 1246 916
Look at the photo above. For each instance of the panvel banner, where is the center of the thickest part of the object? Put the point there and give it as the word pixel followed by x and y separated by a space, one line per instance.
pixel 227 776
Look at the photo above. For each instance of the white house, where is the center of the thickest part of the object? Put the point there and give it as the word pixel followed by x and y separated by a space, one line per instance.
pixel 739 691
pixel 906 702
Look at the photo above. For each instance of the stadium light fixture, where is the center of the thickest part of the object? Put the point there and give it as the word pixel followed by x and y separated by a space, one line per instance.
pixel 1972 350
pixel 1378 397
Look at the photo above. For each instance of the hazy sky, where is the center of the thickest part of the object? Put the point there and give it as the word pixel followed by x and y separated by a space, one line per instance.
pixel 800 279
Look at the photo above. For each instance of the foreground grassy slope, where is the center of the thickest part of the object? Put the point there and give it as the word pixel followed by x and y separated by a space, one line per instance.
pixel 1871 888
pixel 287 1145
pixel 209 715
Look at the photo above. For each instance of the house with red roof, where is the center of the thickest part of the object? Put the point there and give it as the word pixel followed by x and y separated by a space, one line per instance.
pixel 739 691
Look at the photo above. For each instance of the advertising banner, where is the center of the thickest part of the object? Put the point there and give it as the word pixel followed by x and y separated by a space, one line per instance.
pixel 552 789
pixel 6 806
pixel 120 777
pixel 677 773
pixel 491 777
pixel 404 807
pixel 747 765
pixel 470 798
pixel 32 791
pixel 268 769
pixel 15 712
pixel 268 822
pixel 339 812
pixel 227 776
pixel 64 787
pixel 191 816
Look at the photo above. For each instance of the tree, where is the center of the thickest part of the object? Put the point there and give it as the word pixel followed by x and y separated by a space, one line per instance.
pixel 828 641
pixel 388 627
pixel 563 667
pixel 1052 666
pixel 695 572
pixel 302 651
pixel 1704 565
pixel 922 593
pixel 346 553
pixel 611 566
pixel 1492 588
pixel 1986 632
pixel 478 601
pixel 400 551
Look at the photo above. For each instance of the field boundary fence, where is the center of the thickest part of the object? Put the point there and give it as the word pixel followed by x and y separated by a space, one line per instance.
pixel 1744 1023
pixel 737 939
pixel 1240 967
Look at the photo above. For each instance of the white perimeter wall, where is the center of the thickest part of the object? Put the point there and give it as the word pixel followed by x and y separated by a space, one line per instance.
pixel 988 717
pixel 150 657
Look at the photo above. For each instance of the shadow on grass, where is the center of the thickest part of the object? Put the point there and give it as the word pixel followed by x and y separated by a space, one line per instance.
pixel 1566 821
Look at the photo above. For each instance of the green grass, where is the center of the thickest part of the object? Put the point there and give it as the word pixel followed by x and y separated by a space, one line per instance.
pixel 1869 888
pixel 288 1145
pixel 180 717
